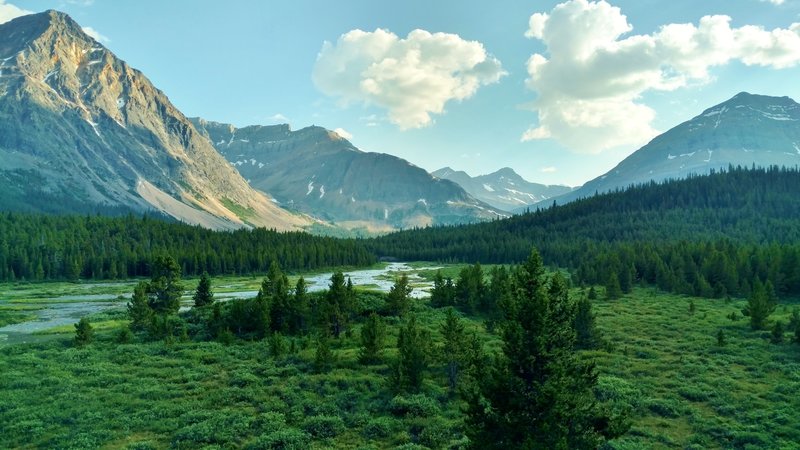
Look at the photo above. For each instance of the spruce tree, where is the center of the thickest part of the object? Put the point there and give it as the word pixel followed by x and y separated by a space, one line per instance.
pixel 454 348
pixel 373 334
pixel 323 357
pixel 203 295
pixel 139 310
pixel 539 394
pixel 613 289
pixel 398 300
pixel 759 306
pixel 165 288
pixel 338 304
pixel 300 306
pixel 585 327
pixel 84 334
pixel 721 338
pixel 412 362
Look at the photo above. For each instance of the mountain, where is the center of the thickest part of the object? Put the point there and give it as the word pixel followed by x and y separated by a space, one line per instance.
pixel 316 171
pixel 81 131
pixel 744 131
pixel 503 189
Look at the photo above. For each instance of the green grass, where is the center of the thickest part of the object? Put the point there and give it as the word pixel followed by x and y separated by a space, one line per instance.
pixel 241 212
pixel 659 362
pixel 11 316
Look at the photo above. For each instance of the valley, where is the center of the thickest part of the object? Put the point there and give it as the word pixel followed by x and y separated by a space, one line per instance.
pixel 262 282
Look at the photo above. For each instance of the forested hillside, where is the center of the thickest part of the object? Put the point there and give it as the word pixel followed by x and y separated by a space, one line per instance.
pixel 38 247
pixel 706 235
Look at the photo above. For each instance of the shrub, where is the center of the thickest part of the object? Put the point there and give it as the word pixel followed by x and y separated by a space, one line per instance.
pixel 285 439
pixel 417 405
pixel 379 427
pixel 324 426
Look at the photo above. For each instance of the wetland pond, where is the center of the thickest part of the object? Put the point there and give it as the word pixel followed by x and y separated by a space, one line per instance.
pixel 48 309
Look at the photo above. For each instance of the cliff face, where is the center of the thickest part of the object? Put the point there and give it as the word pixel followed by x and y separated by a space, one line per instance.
pixel 316 171
pixel 79 127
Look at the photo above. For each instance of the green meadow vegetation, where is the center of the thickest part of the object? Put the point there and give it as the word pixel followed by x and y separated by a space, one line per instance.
pixel 662 368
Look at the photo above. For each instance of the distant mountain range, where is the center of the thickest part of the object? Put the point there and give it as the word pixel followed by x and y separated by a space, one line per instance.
pixel 318 172
pixel 503 189
pixel 744 131
pixel 81 131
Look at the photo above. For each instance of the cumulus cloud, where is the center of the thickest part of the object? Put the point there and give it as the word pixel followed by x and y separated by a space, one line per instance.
pixel 278 118
pixel 94 34
pixel 590 83
pixel 412 78
pixel 9 11
pixel 343 133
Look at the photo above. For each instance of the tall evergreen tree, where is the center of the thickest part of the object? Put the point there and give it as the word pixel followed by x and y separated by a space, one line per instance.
pixel 203 296
pixel 585 328
pixel 454 347
pixel 165 287
pixel 84 334
pixel 443 292
pixel 373 334
pixel 412 357
pixel 323 357
pixel 759 306
pixel 139 310
pixel 300 306
pixel 539 395
pixel 613 288
pixel 338 304
pixel 399 300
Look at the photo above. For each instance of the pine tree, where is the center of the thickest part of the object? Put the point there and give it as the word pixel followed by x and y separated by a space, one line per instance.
pixel 277 345
pixel 692 307
pixel 203 295
pixel 338 305
pixel 592 294
pixel 412 362
pixel 613 289
pixel 165 287
pixel 585 327
pixel 373 334
pixel 323 357
pixel 454 346
pixel 300 306
pixel 398 300
pixel 721 338
pixel 442 293
pixel 84 334
pixel 539 394
pixel 759 306
pixel 139 310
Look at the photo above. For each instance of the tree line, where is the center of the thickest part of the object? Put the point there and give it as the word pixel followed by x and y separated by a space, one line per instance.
pixel 710 236
pixel 41 247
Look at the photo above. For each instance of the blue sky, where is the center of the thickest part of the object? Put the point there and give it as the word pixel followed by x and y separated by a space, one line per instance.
pixel 466 91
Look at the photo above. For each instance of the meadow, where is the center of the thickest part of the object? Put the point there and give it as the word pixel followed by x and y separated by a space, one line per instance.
pixel 660 360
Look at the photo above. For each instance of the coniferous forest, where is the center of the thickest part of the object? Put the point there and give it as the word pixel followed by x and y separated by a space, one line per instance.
pixel 661 316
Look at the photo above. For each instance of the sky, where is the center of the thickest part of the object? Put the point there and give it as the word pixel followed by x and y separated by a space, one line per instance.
pixel 561 91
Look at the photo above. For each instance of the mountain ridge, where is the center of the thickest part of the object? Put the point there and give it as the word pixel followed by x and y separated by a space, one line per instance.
pixel 318 172
pixel 504 188
pixel 91 129
pixel 745 130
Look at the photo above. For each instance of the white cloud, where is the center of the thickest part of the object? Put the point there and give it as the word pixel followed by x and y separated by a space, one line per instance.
pixel 411 78
pixel 343 133
pixel 590 83
pixel 550 169
pixel 278 118
pixel 94 34
pixel 9 11
pixel 774 2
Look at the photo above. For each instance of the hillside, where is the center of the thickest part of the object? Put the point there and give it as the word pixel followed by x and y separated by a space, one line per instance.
pixel 747 130
pixel 504 189
pixel 317 172
pixel 81 131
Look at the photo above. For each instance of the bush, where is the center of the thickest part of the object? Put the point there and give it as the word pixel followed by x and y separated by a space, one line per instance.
pixel 417 405
pixel 286 439
pixel 324 426
pixel 379 427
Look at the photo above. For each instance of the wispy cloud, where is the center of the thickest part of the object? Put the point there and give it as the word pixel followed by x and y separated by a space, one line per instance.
pixel 590 82
pixel 550 169
pixel 343 133
pixel 412 78
pixel 9 11
pixel 277 118
pixel 96 35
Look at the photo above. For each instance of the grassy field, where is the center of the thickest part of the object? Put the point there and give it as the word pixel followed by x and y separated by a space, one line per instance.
pixel 659 361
